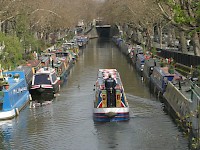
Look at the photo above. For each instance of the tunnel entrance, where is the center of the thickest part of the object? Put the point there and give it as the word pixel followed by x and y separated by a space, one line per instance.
pixel 103 31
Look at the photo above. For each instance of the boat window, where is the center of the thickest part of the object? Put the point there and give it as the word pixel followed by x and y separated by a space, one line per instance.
pixel 54 78
pixel 42 79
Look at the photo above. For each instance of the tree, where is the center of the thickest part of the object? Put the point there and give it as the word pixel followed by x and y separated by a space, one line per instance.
pixel 184 14
pixel 11 55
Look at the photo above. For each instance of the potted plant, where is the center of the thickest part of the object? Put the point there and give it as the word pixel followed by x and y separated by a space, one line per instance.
pixel 171 69
pixel 16 77
pixel 6 85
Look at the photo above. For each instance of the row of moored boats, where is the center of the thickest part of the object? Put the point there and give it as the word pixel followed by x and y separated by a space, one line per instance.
pixel 38 81
pixel 179 92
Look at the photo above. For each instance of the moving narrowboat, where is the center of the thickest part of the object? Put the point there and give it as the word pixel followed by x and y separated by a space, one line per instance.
pixel 103 110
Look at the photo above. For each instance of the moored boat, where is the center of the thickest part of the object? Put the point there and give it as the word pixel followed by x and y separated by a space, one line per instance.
pixel 135 52
pixel 61 70
pixel 140 63
pixel 14 94
pixel 160 77
pixel 110 106
pixel 45 84
pixel 81 41
pixel 149 65
pixel 66 56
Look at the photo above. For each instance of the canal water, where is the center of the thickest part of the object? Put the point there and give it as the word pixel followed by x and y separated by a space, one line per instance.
pixel 67 123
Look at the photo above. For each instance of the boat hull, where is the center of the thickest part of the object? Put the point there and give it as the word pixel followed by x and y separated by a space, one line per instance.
pixel 111 114
pixel 42 94
pixel 14 111
pixel 16 97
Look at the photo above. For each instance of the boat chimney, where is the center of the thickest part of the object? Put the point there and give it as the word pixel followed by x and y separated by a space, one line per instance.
pixel 52 63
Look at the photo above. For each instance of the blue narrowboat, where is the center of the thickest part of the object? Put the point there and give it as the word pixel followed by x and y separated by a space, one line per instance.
pixel 14 94
pixel 159 79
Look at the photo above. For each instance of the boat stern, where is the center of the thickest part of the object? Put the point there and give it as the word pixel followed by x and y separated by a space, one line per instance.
pixel 111 114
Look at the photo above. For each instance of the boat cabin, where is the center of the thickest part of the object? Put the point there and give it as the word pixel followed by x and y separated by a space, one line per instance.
pixel 45 75
pixel 117 94
pixel 45 61
pixel 160 77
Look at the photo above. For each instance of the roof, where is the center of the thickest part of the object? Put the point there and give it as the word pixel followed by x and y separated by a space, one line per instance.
pixel 33 63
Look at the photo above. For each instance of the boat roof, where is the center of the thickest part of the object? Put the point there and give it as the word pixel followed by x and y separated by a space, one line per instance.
pixel 45 70
pixel 103 73
pixel 151 62
pixel 25 69
pixel 33 63
pixel 44 59
pixel 163 71
pixel 141 57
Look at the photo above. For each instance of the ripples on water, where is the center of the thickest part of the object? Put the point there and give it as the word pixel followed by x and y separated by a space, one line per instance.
pixel 67 123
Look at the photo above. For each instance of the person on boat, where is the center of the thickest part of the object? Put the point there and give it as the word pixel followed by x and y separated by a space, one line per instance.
pixel 110 84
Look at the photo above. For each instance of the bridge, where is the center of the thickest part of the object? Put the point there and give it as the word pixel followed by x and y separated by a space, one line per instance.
pixel 99 29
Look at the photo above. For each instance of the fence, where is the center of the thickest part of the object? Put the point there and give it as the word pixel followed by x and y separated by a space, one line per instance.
pixel 179 57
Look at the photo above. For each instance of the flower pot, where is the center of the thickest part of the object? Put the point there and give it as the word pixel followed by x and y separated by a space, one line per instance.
pixel 6 86
pixel 171 71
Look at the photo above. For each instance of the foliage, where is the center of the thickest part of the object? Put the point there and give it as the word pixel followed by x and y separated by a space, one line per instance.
pixel 12 54
pixel 154 51
pixel 24 33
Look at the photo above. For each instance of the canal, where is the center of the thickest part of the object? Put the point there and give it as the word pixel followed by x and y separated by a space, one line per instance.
pixel 67 123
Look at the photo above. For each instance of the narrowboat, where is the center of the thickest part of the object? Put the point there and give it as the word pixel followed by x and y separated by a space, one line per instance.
pixel 67 58
pixel 61 70
pixel 59 62
pixel 135 52
pixel 149 65
pixel 160 77
pixel 45 84
pixel 103 110
pixel 81 41
pixel 140 63
pixel 14 94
